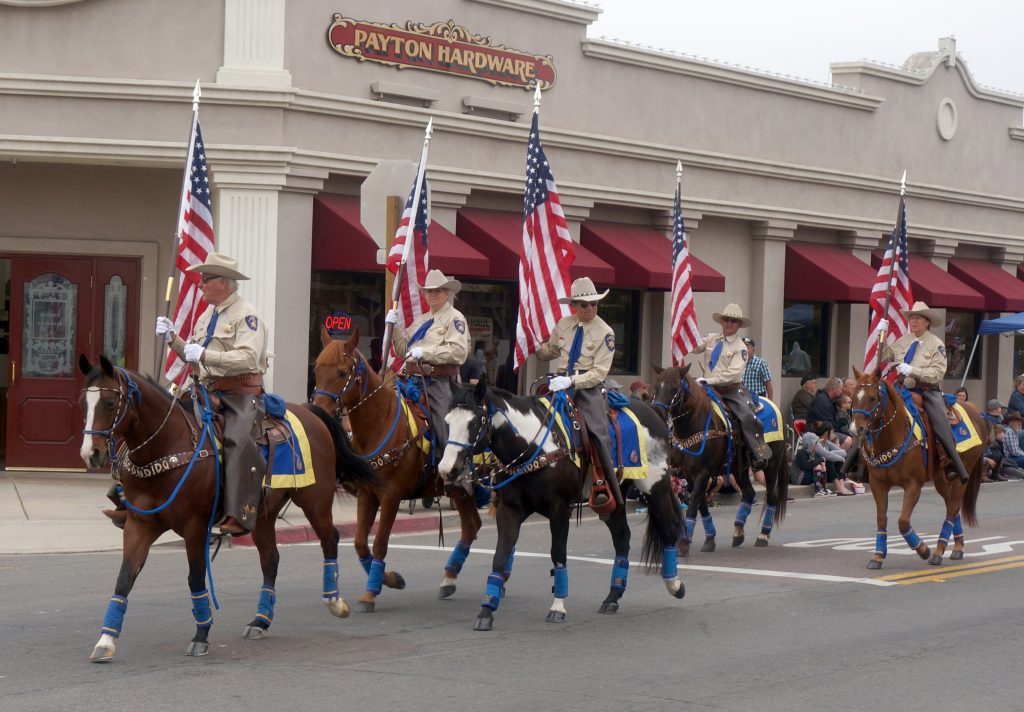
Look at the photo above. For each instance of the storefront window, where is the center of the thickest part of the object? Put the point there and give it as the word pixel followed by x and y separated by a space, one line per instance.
pixel 51 308
pixel 492 310
pixel 359 296
pixel 961 327
pixel 805 338
pixel 115 305
pixel 621 311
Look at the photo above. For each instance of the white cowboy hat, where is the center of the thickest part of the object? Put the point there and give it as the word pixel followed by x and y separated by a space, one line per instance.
pixel 436 280
pixel 220 265
pixel 583 290
pixel 731 311
pixel 922 309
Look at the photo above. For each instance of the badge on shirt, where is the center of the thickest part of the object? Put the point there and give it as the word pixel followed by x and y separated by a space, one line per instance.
pixel 942 351
pixel 609 341
pixel 251 322
pixel 460 326
pixel 743 353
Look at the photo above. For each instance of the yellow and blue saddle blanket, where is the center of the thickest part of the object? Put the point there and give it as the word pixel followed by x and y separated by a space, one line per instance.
pixel 964 433
pixel 634 449
pixel 292 465
pixel 771 418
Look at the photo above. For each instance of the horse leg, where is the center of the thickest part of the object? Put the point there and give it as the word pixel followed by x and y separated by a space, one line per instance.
pixel 320 515
pixel 746 504
pixel 911 494
pixel 469 519
pixel 202 611
pixel 958 539
pixel 367 505
pixel 137 541
pixel 264 536
pixel 880 493
pixel 709 529
pixel 509 521
pixel 952 493
pixel 558 522
pixel 377 577
pixel 619 528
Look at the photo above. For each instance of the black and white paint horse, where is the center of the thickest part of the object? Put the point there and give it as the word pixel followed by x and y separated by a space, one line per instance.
pixel 538 474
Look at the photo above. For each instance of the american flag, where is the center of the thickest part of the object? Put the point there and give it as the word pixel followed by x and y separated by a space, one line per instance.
pixel 195 240
pixel 411 301
pixel 684 316
pixel 547 253
pixel 901 298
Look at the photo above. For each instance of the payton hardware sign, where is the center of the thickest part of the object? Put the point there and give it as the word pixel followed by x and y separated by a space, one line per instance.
pixel 440 47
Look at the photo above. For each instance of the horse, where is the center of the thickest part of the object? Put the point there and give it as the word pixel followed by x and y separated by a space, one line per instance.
pixel 702 444
pixel 382 432
pixel 896 457
pixel 537 474
pixel 178 489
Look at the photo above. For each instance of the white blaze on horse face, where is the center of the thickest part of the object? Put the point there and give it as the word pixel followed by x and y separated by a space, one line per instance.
pixel 92 399
pixel 458 420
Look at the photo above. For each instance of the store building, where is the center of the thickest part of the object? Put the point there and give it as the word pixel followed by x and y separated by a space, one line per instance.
pixel 314 112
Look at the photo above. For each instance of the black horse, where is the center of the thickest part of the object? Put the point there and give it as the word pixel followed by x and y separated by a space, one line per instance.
pixel 539 473
pixel 702 443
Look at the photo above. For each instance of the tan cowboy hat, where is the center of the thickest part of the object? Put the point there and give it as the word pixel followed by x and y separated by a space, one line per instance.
pixel 220 265
pixel 921 309
pixel 583 290
pixel 436 280
pixel 731 311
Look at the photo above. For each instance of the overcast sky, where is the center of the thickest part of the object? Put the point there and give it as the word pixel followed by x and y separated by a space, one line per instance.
pixel 801 37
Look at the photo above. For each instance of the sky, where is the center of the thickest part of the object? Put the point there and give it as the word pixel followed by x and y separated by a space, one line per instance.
pixel 802 37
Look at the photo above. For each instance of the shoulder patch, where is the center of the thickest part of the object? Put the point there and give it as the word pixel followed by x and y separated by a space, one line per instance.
pixel 609 341
pixel 460 326
pixel 941 350
pixel 252 322
pixel 743 354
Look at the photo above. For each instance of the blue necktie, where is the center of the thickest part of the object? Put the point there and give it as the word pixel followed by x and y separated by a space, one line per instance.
pixel 575 349
pixel 910 353
pixel 420 332
pixel 715 353
pixel 210 328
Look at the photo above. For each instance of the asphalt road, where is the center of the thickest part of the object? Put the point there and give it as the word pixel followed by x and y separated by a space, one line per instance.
pixel 801 625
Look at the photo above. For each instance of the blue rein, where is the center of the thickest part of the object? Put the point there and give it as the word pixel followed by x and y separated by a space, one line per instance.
pixel 871 416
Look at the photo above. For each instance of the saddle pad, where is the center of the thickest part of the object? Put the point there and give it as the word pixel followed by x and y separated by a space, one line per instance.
pixel 634 449
pixel 288 470
pixel 964 432
pixel 723 419
pixel 771 419
pixel 561 426
pixel 415 426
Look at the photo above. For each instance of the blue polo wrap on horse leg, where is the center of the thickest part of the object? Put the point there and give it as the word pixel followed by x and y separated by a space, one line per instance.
pixel 365 561
pixel 769 520
pixel 911 537
pixel 376 579
pixel 947 531
pixel 691 523
pixel 492 594
pixel 709 525
pixel 742 513
pixel 508 564
pixel 330 578
pixel 620 572
pixel 114 618
pixel 561 587
pixel 881 543
pixel 457 558
pixel 265 606
pixel 958 527
pixel 669 562
pixel 201 610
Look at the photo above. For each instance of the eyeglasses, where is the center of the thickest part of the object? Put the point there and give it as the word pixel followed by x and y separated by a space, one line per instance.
pixel 209 278
pixel 729 320
pixel 583 305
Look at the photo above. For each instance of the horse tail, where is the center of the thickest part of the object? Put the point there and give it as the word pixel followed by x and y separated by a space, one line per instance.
pixel 969 505
pixel 780 488
pixel 349 468
pixel 664 523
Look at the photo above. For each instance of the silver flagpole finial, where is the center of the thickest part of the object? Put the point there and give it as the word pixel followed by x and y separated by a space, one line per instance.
pixel 536 98
pixel 903 183
pixel 430 130
pixel 679 171
pixel 196 93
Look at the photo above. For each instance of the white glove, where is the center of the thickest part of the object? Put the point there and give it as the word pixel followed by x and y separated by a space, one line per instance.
pixel 904 369
pixel 391 317
pixel 883 325
pixel 702 381
pixel 559 383
pixel 165 328
pixel 194 353
pixel 711 335
pixel 416 353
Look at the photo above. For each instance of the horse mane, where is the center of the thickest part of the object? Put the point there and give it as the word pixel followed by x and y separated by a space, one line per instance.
pixel 696 396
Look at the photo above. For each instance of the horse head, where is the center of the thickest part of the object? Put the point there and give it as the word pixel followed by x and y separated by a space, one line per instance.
pixel 106 400
pixel 342 374
pixel 869 400
pixel 666 384
pixel 469 430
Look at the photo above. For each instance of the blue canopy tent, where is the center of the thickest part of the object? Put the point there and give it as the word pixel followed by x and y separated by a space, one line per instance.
pixel 1014 322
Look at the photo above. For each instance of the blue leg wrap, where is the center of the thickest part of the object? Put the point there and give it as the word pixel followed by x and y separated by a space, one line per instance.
pixel 376 578
pixel 881 543
pixel 330 578
pixel 709 525
pixel 561 587
pixel 911 537
pixel 947 531
pixel 265 606
pixel 114 618
pixel 508 564
pixel 364 561
pixel 620 572
pixel 492 594
pixel 769 520
pixel 457 559
pixel 691 523
pixel 201 610
pixel 669 562
pixel 958 527
pixel 742 513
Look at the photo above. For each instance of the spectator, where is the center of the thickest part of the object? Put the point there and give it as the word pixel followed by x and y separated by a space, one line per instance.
pixel 757 377
pixel 843 415
pixel 1013 455
pixel 471 370
pixel 848 385
pixel 823 408
pixel 1016 402
pixel 611 384
pixel 992 459
pixel 994 411
pixel 799 361
pixel 802 399
pixel 640 389
pixel 961 395
pixel 827 441
pixel 809 464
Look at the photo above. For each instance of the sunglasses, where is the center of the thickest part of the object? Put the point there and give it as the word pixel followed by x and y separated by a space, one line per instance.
pixel 727 320
pixel 583 305
pixel 206 278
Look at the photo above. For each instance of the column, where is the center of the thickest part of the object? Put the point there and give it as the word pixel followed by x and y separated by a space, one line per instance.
pixel 254 44
pixel 656 345
pixel 852 320
pixel 767 288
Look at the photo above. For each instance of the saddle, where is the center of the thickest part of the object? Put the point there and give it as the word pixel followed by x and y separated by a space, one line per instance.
pixel 930 442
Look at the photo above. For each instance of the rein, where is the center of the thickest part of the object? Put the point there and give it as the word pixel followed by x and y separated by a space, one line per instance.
pixel 889 457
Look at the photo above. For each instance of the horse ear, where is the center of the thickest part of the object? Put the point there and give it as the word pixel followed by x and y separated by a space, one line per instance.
pixel 480 390
pixel 657 369
pixel 684 371
pixel 325 336
pixel 353 340
pixel 83 364
pixel 856 374
pixel 108 368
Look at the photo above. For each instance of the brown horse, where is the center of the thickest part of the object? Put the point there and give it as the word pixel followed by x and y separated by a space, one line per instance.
pixel 382 433
pixel 895 457
pixel 177 489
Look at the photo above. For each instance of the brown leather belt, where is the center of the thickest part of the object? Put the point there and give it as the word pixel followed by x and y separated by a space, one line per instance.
pixel 415 368
pixel 245 383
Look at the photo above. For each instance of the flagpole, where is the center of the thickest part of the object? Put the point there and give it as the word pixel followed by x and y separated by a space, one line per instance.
pixel 397 286
pixel 161 341
pixel 892 271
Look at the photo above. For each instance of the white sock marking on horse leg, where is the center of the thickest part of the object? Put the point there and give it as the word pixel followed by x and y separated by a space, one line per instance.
pixel 106 641
pixel 558 605
pixel 92 397
pixel 447 580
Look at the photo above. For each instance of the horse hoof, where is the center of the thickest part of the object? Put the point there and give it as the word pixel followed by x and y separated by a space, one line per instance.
pixel 365 606
pixel 936 560
pixel 197 648
pixel 399 583
pixel 874 564
pixel 556 617
pixel 251 632
pixel 484 622
pixel 738 540
pixel 681 592
pixel 925 553
pixel 338 607
pixel 102 654
pixel 609 607
pixel 761 541
pixel 446 591
pixel 956 556
pixel 709 546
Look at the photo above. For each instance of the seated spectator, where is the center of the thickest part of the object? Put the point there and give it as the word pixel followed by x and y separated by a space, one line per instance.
pixel 1013 456
pixel 843 415
pixel 1016 401
pixel 992 459
pixel 640 389
pixel 809 464
pixel 961 395
pixel 823 409
pixel 828 441
pixel 994 412
pixel 848 385
pixel 802 399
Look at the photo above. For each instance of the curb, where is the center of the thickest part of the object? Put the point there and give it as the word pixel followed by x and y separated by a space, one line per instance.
pixel 346 530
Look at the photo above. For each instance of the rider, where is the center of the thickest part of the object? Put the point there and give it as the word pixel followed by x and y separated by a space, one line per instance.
pixel 921 357
pixel 437 348
pixel 583 346
pixel 725 359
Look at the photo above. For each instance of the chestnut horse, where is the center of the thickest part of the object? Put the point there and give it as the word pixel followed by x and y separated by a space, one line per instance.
pixel 178 489
pixel 382 433
pixel 895 457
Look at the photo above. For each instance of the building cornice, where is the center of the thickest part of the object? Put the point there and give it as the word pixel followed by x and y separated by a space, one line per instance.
pixel 1017 133
pixel 580 13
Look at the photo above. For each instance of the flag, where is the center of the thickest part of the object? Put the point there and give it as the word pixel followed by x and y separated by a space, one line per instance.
pixel 195 240
pixel 411 302
pixel 901 297
pixel 684 316
pixel 547 253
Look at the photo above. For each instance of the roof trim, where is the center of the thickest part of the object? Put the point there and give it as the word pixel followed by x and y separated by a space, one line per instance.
pixel 578 12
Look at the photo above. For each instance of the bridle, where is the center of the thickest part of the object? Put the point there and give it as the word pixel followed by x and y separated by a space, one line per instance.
pixel 123 403
pixel 358 375
pixel 476 447
pixel 891 456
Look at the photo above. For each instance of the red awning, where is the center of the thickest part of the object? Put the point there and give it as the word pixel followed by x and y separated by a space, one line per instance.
pixel 826 273
pixel 499 235
pixel 1002 291
pixel 341 243
pixel 643 257
pixel 933 285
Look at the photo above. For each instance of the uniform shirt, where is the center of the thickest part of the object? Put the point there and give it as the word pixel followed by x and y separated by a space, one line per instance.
pixel 446 341
pixel 595 357
pixel 731 362
pixel 239 343
pixel 929 363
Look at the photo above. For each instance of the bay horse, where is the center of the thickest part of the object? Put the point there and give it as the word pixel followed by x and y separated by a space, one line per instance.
pixel 701 446
pixel 178 490
pixel 381 431
pixel 536 474
pixel 895 457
